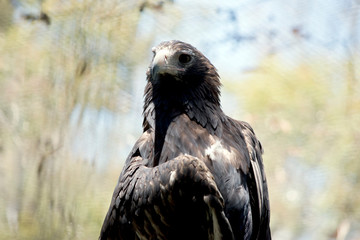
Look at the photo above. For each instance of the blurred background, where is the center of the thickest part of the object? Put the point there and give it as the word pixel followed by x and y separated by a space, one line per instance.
pixel 72 75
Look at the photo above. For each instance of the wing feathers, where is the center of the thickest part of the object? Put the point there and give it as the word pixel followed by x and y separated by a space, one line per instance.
pixel 257 183
pixel 147 196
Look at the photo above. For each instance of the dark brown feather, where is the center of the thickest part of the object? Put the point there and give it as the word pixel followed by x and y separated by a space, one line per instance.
pixel 195 173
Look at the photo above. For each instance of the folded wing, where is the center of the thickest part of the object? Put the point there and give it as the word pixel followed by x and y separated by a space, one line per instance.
pixel 175 200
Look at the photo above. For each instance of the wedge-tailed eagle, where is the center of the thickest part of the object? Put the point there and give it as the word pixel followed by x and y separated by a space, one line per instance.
pixel 195 173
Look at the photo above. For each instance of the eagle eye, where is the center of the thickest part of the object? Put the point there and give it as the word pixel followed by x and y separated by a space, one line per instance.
pixel 184 58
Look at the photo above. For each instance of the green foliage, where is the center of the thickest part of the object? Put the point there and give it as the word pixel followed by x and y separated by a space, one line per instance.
pixel 308 124
pixel 46 71
pixel 5 16
pixel 305 114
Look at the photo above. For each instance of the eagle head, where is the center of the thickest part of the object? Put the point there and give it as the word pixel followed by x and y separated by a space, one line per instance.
pixel 181 80
pixel 180 71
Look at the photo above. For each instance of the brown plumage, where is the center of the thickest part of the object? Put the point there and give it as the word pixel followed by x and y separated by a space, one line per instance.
pixel 195 173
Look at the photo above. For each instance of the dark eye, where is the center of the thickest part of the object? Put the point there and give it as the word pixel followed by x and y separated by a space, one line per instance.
pixel 184 58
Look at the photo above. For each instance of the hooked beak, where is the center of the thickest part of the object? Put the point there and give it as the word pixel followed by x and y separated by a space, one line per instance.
pixel 163 64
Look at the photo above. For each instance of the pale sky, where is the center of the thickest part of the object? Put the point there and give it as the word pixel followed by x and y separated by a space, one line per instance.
pixel 294 30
